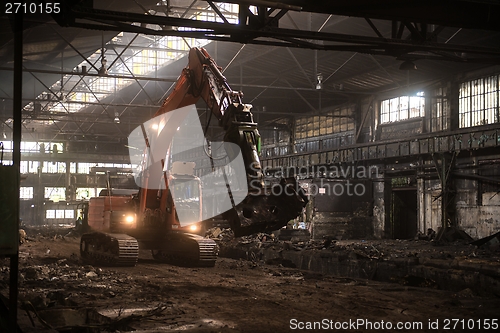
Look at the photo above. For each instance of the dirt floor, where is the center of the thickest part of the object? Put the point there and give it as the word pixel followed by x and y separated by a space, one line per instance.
pixel 57 290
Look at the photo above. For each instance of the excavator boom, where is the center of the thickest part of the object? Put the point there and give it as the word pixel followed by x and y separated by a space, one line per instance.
pixel 202 78
pixel 265 208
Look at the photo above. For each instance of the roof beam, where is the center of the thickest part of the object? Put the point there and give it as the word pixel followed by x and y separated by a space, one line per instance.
pixel 257 31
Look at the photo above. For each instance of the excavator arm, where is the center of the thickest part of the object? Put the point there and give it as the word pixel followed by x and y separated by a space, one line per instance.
pixel 202 78
pixel 265 208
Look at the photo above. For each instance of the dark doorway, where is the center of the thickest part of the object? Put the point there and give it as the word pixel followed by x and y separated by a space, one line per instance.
pixel 404 213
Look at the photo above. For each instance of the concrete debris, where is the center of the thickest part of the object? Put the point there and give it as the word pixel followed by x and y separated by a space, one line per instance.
pixel 430 235
pixel 416 281
pixel 297 235
pixel 73 233
pixel 491 242
pixel 73 297
pixel 30 273
pixel 281 262
pixel 37 233
pixel 452 234
pixel 221 235
pixel 369 259
pixel 91 274
pixel 466 293
pixel 22 236
pixel 216 232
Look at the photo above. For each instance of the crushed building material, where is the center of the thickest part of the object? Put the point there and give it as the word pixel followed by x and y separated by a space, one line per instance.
pixel 490 242
pixel 230 296
pixel 382 260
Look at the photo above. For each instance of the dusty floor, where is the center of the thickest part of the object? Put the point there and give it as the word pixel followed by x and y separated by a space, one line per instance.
pixel 234 296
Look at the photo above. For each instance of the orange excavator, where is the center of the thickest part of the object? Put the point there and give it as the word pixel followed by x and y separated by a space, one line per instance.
pixel 121 221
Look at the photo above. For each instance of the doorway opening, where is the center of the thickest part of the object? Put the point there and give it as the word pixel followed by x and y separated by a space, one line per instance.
pixel 403 213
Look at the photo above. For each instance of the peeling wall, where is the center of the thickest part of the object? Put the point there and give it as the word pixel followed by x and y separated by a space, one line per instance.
pixel 357 218
pixel 477 216
pixel 329 225
pixel 480 221
pixel 430 205
pixel 342 216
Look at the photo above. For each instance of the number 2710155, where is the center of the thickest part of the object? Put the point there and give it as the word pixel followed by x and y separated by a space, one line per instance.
pixel 32 8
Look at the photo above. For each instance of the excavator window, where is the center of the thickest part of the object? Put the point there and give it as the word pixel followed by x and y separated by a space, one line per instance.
pixel 186 194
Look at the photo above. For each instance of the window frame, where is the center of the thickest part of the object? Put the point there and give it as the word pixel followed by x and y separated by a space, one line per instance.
pixel 399 108
pixel 479 102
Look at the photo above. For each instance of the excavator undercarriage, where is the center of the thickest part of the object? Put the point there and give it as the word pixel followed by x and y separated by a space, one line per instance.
pixel 177 248
pixel 187 249
pixel 109 249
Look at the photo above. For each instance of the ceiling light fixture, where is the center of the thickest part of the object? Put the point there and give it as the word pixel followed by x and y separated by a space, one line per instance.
pixel 319 81
pixel 103 70
pixel 408 65
pixel 117 119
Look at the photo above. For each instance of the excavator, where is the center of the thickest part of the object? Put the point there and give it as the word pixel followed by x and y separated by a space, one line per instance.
pixel 120 221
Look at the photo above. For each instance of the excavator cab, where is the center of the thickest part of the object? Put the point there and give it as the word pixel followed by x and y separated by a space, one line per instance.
pixel 188 204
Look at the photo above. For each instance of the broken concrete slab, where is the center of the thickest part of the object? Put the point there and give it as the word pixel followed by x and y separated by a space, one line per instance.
pixel 490 242
pixel 299 235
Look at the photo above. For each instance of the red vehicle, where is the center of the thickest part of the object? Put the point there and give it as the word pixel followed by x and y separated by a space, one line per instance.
pixel 119 220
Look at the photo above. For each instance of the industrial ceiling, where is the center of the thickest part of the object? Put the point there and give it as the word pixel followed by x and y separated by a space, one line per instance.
pixel 274 55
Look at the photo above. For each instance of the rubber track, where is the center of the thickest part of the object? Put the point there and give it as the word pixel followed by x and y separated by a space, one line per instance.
pixel 187 249
pixel 109 249
pixel 208 254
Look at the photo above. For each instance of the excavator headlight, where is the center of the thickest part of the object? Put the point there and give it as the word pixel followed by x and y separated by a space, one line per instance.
pixel 129 219
pixel 193 227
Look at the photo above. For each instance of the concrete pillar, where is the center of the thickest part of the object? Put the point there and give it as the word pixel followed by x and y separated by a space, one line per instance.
pixel 379 204
pixel 38 198
pixel 454 90
pixel 293 130
pixel 421 221
pixel 70 188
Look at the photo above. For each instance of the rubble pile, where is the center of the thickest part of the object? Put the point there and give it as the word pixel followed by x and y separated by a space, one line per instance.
pixel 58 283
pixel 366 249
pixel 417 262
pixel 33 233
pixel 55 279
pixel 63 293
pixel 220 235
pixel 56 289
